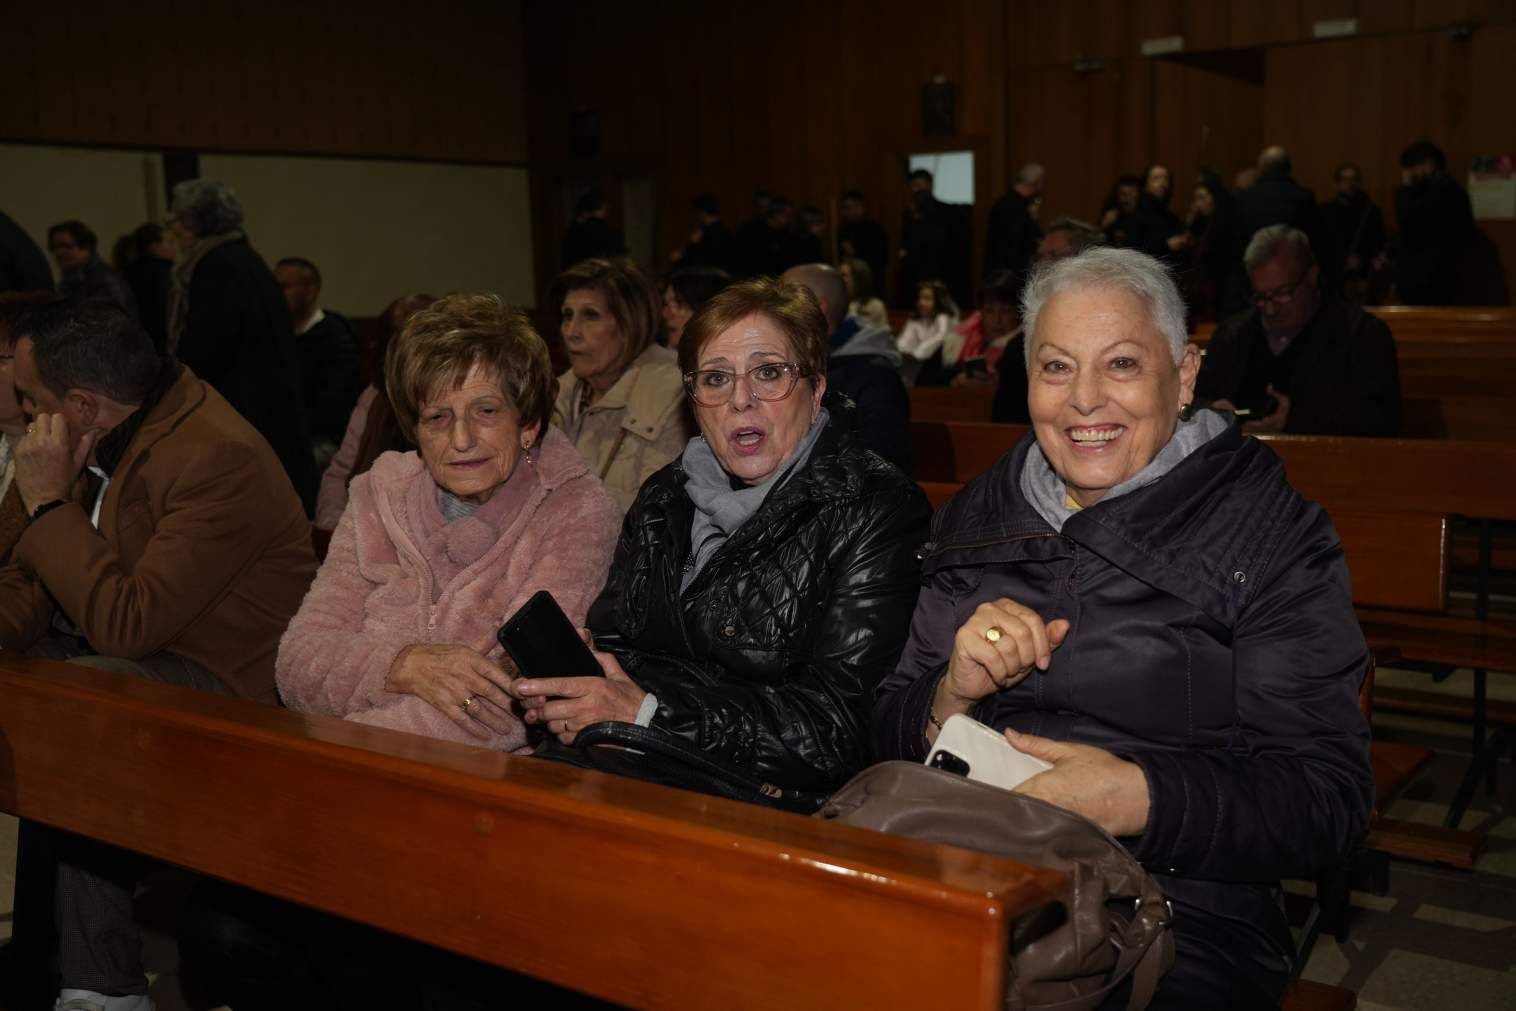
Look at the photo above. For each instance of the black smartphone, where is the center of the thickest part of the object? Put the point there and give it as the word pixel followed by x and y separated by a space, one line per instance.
pixel 543 642
pixel 975 367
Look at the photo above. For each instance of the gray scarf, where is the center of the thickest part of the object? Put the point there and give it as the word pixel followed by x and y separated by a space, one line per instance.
pixel 1048 493
pixel 178 298
pixel 719 508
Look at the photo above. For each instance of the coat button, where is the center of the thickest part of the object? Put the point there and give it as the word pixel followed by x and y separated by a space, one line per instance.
pixel 729 631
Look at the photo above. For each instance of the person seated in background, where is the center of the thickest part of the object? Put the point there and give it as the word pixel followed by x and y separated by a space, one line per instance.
pixel 810 235
pixel 1065 237
pixel 862 300
pixel 438 547
pixel 165 543
pixel 228 321
pixel 686 290
pixel 930 339
pixel 372 428
pixel 151 277
pixel 1274 198
pixel 328 353
pixel 13 517
pixel 862 365
pixel 1119 208
pixel 989 331
pixel 1301 361
pixel 620 402
pixel 763 583
pixel 1146 603
pixel 83 274
pixel 1153 228
pixel 1436 227
pixel 769 246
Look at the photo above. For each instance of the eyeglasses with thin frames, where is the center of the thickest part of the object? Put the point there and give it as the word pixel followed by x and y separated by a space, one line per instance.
pixel 1282 295
pixel 769 381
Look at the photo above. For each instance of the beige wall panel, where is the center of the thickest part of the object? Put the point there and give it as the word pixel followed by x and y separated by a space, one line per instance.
pixel 107 190
pixel 380 229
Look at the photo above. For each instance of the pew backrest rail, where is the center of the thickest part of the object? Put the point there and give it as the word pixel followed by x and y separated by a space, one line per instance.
pixel 635 893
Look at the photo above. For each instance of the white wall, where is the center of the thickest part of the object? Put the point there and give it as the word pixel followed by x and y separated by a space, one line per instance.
pixel 381 229
pixel 110 191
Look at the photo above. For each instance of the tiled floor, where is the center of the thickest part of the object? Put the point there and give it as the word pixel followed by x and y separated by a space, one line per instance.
pixel 1440 940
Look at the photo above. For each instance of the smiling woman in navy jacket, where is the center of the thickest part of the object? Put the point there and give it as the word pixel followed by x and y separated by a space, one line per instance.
pixel 1145 602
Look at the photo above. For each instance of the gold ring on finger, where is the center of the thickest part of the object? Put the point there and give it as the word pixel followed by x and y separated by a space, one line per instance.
pixel 468 703
pixel 993 633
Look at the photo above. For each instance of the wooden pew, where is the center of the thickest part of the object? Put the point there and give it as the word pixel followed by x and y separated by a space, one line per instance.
pixel 635 893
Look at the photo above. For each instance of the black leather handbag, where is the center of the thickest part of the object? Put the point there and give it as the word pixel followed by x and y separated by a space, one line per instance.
pixel 648 753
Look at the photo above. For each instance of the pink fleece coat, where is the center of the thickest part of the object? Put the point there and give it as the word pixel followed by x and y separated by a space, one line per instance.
pixel 393 578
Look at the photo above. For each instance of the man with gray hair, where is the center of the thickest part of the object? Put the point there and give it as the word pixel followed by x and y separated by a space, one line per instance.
pixel 1300 361
pixel 228 321
pixel 1012 237
pixel 164 542
pixel 1067 237
pixel 1274 199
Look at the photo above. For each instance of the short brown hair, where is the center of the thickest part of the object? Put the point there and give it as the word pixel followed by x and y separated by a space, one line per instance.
pixel 440 343
pixel 629 295
pixel 791 307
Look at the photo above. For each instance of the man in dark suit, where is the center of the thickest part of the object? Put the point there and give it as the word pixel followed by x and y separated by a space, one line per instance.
pixel 1436 227
pixel 328 353
pixel 1012 237
pixel 1275 199
pixel 1300 361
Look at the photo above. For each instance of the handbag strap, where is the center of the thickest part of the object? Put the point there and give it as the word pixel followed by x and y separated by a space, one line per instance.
pixel 1144 964
pixel 652 741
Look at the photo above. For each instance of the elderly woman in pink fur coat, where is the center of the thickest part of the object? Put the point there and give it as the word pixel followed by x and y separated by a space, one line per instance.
pixel 438 547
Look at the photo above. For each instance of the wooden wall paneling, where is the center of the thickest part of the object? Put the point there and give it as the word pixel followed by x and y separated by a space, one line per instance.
pixel 1318 103
pixel 1207 25
pixel 1375 17
pixel 1437 13
pixel 1155 20
pixel 56 98
pixel 1488 12
pixel 23 77
pixel 1256 24
pixel 89 33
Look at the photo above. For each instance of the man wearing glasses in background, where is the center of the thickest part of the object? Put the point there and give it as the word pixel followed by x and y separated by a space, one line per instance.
pixel 1300 361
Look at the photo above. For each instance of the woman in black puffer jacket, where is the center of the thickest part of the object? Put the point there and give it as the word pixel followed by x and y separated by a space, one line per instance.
pixel 763 582
pixel 1146 603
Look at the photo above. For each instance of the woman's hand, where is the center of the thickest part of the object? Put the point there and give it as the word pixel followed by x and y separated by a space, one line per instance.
pixel 1109 791
pixel 458 682
pixel 568 705
pixel 998 646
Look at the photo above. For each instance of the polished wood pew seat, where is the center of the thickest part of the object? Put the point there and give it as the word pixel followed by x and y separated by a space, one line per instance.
pixel 650 897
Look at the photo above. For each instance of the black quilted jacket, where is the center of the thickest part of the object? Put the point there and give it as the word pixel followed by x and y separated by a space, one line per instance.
pixel 770 660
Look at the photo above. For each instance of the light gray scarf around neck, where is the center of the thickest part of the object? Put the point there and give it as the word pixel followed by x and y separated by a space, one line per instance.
pixel 1048 493
pixel 720 510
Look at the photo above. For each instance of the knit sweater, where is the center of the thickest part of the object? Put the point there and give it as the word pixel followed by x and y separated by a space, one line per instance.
pixel 398 574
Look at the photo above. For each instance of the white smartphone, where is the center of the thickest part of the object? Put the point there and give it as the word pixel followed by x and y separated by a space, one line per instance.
pixel 969 748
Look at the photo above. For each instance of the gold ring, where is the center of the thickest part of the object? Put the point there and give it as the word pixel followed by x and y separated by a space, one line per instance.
pixel 467 703
pixel 993 633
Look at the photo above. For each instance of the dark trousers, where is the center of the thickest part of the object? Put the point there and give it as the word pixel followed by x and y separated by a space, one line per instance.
pixel 99 946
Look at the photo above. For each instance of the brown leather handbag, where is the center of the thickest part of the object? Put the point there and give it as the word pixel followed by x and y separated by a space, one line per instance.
pixel 1113 921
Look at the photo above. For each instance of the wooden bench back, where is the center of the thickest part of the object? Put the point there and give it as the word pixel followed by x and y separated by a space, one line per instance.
pixel 1451 477
pixel 1398 561
pixel 646 896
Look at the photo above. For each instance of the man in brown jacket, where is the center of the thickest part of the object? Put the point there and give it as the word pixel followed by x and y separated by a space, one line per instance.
pixel 165 541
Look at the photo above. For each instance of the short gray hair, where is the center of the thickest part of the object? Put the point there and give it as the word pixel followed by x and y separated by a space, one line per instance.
pixel 1270 242
pixel 1030 173
pixel 207 207
pixel 1084 235
pixel 1108 269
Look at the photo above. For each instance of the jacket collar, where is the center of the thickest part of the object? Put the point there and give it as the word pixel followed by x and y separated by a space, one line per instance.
pixel 153 418
pixel 1203 533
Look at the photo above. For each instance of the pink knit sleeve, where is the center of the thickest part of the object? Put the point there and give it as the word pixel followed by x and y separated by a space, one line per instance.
pixel 331 499
pixel 327 662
